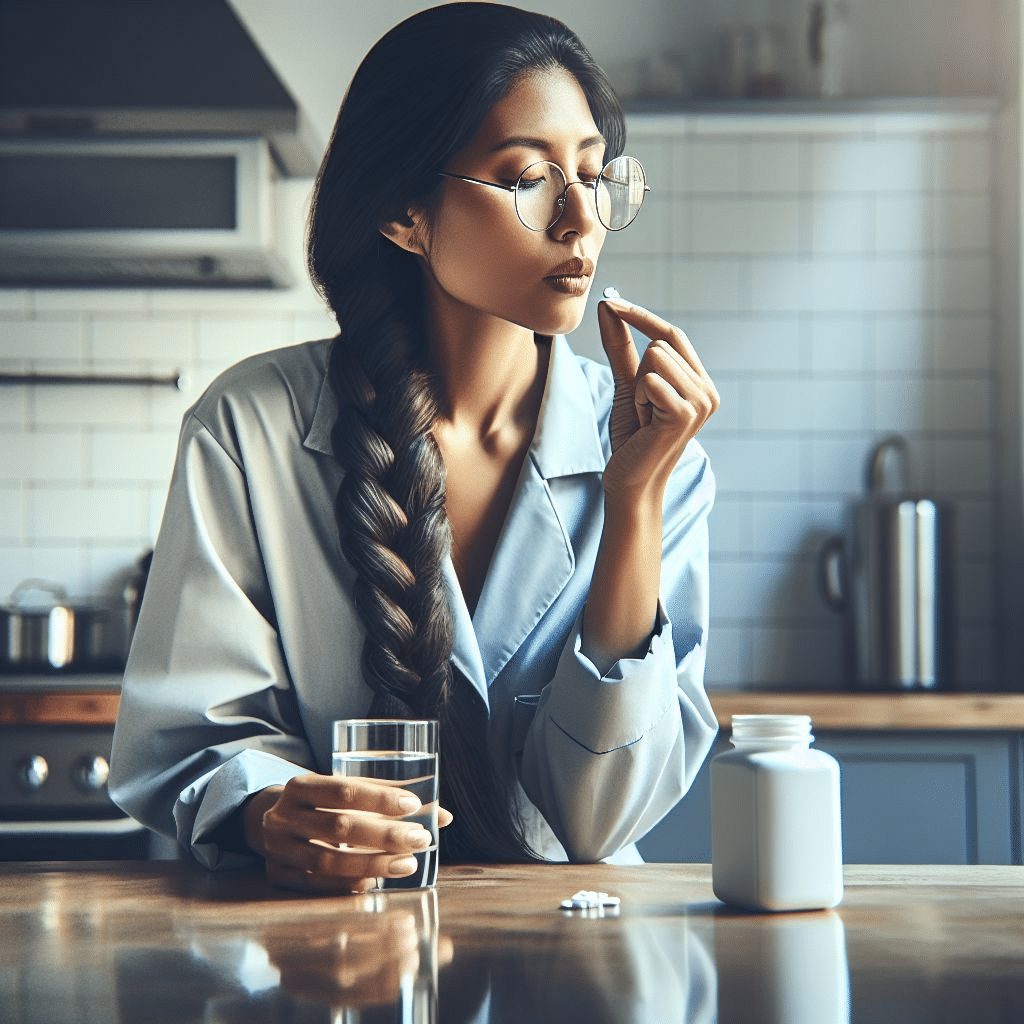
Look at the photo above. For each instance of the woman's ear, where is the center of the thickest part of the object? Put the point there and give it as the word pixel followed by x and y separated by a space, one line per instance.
pixel 405 231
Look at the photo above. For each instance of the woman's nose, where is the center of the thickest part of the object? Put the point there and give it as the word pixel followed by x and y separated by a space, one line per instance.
pixel 579 211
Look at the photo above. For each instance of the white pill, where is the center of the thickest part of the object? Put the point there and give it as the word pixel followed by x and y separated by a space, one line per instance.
pixel 611 292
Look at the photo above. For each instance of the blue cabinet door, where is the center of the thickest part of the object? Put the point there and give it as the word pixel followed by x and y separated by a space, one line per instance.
pixel 932 798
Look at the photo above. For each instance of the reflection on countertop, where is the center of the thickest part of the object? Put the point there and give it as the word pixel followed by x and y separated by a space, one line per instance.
pixel 118 942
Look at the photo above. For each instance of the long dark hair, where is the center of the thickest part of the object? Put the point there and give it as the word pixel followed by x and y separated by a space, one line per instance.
pixel 418 97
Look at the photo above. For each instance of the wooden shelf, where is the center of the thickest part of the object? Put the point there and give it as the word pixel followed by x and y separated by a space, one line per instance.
pixel 897 712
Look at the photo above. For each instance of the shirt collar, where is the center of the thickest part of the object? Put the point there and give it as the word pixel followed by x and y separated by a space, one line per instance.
pixel 566 442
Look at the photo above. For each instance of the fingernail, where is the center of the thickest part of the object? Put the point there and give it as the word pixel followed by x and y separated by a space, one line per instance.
pixel 408 804
pixel 420 837
pixel 402 866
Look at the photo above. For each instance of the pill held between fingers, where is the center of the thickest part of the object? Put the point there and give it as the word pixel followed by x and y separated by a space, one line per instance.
pixel 611 292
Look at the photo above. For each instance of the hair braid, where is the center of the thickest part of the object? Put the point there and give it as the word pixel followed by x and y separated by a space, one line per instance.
pixel 395 533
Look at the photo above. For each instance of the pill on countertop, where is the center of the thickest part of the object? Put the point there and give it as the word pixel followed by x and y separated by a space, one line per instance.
pixel 588 899
pixel 611 292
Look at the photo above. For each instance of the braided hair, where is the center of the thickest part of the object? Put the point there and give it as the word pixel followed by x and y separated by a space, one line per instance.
pixel 418 97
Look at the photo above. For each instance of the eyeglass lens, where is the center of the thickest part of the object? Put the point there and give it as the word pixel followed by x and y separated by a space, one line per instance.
pixel 618 193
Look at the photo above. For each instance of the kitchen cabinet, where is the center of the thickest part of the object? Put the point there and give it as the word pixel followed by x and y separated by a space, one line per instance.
pixel 947 797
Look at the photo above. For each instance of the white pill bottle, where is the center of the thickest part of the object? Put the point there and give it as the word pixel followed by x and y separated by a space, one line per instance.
pixel 776 830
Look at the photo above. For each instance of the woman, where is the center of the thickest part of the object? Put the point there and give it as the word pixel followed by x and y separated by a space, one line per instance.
pixel 442 512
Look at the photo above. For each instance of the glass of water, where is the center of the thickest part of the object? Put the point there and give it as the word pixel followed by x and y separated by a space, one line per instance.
pixel 398 752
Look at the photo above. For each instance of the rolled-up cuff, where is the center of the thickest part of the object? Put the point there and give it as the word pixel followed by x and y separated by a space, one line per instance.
pixel 623 704
pixel 206 805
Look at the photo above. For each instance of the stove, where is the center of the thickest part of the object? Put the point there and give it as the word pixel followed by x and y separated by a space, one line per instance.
pixel 55 738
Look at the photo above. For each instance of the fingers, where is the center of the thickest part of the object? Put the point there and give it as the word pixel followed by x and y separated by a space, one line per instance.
pixel 617 340
pixel 673 387
pixel 327 834
pixel 655 327
pixel 671 357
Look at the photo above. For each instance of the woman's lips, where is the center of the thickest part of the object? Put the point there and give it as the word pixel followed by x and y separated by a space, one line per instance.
pixel 571 277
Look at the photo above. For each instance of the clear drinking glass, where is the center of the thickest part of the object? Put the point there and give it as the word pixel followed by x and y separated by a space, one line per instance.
pixel 398 752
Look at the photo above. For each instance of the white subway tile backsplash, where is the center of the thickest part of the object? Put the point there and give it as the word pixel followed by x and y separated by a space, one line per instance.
pixel 962 222
pixel 63 565
pixel 712 166
pixel 838 465
pixel 741 226
pixel 903 405
pixel 45 338
pixel 840 224
pixel 100 513
pixel 756 466
pixel 162 341
pixel 224 340
pixel 48 456
pixel 963 341
pixel 962 404
pixel 902 343
pixel 839 344
pixel 798 656
pixel 963 466
pixel 707 286
pixel 89 405
pixel 114 456
pixel 775 165
pixel 15 300
pixel 963 283
pixel 962 163
pixel 12 514
pixel 728 658
pixel 841 164
pixel 786 528
pixel 640 280
pixel 14 400
pixel 898 164
pixel 903 223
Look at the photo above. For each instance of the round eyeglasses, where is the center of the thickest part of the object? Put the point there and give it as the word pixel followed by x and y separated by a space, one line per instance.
pixel 541 190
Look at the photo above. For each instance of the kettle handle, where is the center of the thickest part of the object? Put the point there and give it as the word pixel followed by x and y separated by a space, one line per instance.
pixel 897 446
pixel 832 573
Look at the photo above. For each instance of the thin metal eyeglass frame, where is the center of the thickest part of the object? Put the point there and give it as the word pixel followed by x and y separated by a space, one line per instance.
pixel 560 202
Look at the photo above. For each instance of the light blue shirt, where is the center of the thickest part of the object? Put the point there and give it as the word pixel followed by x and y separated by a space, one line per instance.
pixel 248 644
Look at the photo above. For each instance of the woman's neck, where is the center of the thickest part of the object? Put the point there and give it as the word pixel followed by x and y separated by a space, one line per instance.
pixel 490 374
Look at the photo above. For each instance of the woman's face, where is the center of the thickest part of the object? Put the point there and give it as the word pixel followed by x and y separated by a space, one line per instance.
pixel 479 256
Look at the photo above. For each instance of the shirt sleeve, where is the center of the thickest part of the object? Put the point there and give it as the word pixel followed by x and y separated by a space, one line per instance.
pixel 606 757
pixel 207 714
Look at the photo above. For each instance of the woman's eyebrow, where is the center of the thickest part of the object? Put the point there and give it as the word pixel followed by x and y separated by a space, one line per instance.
pixel 522 141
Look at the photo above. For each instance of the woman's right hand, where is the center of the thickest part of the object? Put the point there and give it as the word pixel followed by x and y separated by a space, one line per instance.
pixel 298 829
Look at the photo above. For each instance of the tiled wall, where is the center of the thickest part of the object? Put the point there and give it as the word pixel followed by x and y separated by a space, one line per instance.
pixel 835 274
pixel 834 271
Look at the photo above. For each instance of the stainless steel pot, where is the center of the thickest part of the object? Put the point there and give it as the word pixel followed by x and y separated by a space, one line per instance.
pixel 892 577
pixel 55 635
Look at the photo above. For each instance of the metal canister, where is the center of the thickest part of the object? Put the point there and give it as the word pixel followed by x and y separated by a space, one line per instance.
pixel 892 576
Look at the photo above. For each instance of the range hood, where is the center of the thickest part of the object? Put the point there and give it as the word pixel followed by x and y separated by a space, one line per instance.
pixel 139 144
pixel 101 68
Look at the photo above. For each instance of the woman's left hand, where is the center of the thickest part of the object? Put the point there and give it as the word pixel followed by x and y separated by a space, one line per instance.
pixel 660 402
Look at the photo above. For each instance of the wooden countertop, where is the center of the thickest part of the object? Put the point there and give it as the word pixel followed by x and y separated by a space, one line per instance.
pixel 829 710
pixel 849 711
pixel 164 941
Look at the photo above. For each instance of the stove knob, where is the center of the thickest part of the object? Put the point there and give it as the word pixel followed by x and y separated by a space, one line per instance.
pixel 32 772
pixel 91 772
